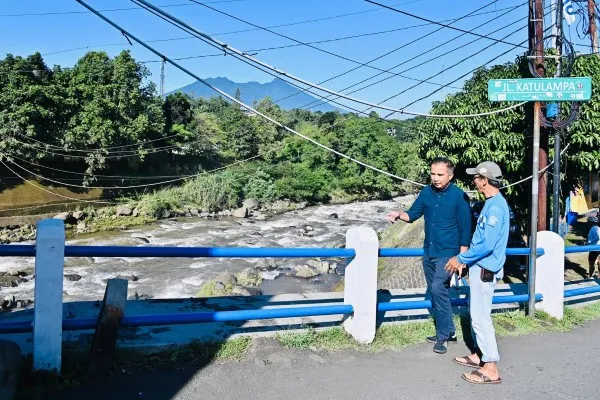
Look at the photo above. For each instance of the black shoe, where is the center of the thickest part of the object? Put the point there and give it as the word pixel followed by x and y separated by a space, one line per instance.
pixel 441 347
pixel 452 339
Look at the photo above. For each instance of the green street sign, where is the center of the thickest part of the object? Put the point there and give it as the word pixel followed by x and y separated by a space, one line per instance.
pixel 540 89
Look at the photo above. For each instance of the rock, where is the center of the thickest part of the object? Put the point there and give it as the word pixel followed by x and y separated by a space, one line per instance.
pixel 256 234
pixel 269 275
pixel 10 359
pixel 249 277
pixel 251 204
pixel 302 205
pixel 135 212
pixel 9 302
pixel 137 296
pixel 340 269
pixel 227 213
pixel 194 212
pixel 141 239
pixel 124 211
pixel 332 268
pixel 306 271
pixel 204 215
pixel 79 215
pixel 167 214
pixel 63 216
pixel 308 228
pixel 226 278
pixel 260 217
pixel 280 206
pixel 333 215
pixel 130 278
pixel 267 264
pixel 241 213
pixel 12 272
pixel 23 303
pixel 219 286
pixel 72 277
pixel 81 227
pixel 321 266
pixel 246 291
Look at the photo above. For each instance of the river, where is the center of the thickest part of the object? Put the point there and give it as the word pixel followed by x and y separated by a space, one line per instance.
pixel 182 278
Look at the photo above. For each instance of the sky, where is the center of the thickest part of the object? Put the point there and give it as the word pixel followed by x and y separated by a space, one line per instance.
pixel 63 31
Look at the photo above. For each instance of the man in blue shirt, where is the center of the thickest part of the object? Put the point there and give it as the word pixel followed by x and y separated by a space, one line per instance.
pixel 485 259
pixel 447 232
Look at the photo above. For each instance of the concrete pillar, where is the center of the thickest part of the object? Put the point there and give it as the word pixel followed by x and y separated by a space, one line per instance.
pixel 550 269
pixel 360 283
pixel 48 310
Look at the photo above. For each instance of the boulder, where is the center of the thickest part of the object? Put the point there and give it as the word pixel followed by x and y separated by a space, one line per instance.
pixel 280 206
pixel 79 215
pixel 306 271
pixel 204 214
pixel 10 359
pixel 260 217
pixel 130 278
pixel 308 228
pixel 72 277
pixel 63 216
pixel 333 215
pixel 227 213
pixel 249 277
pixel 194 212
pixel 226 278
pixel 241 212
pixel 219 286
pixel 81 227
pixel 246 291
pixel 251 204
pixel 321 266
pixel 267 264
pixel 135 212
pixel 124 211
pixel 167 214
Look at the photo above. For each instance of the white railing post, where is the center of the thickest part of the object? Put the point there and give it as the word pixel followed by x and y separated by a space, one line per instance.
pixel 48 309
pixel 549 274
pixel 360 283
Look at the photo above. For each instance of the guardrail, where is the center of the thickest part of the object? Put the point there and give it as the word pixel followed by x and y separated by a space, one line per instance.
pixel 360 294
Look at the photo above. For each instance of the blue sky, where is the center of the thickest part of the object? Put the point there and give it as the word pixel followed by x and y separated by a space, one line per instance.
pixel 56 33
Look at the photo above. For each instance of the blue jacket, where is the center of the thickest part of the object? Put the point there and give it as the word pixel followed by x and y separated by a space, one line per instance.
pixel 488 246
pixel 447 219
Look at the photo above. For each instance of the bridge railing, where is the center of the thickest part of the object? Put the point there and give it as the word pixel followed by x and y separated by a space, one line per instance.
pixel 360 305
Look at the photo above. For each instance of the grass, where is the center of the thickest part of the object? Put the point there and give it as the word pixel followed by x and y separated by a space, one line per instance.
pixel 31 384
pixel 393 337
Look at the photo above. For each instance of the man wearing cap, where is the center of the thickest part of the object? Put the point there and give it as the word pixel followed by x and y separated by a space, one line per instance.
pixel 447 232
pixel 485 260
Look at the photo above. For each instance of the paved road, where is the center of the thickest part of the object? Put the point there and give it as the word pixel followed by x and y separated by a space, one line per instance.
pixel 555 366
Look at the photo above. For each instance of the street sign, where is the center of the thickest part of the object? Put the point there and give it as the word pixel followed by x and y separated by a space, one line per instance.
pixel 540 89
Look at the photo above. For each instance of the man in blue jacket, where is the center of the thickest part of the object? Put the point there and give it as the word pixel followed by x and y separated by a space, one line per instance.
pixel 447 232
pixel 485 259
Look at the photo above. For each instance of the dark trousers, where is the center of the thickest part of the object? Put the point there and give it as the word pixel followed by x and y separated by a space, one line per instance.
pixel 592 256
pixel 438 291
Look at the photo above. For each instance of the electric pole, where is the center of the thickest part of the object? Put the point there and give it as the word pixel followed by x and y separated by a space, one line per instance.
pixel 162 78
pixel 536 36
pixel 557 13
pixel 593 33
pixel 542 223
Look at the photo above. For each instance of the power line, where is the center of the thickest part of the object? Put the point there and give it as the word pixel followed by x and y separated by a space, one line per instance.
pixel 235 52
pixel 441 24
pixel 108 10
pixel 228 49
pixel 312 103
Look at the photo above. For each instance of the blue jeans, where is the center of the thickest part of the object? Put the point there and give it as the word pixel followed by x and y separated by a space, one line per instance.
pixel 437 290
pixel 480 308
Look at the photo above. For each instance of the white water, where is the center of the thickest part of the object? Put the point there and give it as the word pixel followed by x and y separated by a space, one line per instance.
pixel 181 277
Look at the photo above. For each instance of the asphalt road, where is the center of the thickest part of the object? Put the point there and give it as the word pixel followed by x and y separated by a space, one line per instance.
pixel 553 366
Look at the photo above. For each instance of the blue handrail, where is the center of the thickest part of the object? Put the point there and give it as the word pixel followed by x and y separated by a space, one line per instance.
pixel 582 291
pixel 582 249
pixel 28 250
pixel 420 304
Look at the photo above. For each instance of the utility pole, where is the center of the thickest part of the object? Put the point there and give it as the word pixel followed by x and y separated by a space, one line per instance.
pixel 542 222
pixel 536 32
pixel 557 12
pixel 162 78
pixel 593 33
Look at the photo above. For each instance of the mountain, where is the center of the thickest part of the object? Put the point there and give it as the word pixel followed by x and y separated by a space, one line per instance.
pixel 254 91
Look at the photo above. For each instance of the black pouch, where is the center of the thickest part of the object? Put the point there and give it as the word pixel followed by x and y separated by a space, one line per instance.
pixel 486 275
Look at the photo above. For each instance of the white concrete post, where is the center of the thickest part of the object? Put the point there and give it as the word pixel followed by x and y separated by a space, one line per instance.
pixel 360 283
pixel 48 310
pixel 549 274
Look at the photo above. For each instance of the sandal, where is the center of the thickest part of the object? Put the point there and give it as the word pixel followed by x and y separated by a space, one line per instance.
pixel 468 363
pixel 478 378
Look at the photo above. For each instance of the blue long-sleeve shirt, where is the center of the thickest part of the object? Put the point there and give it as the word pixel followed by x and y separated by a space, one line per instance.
pixel 447 219
pixel 488 246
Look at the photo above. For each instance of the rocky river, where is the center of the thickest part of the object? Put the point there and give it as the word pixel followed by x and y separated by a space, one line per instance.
pixel 317 226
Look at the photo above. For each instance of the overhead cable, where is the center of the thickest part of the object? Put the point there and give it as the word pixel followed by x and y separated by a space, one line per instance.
pixel 231 50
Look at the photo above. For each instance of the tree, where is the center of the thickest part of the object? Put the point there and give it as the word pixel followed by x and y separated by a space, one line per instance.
pixel 177 109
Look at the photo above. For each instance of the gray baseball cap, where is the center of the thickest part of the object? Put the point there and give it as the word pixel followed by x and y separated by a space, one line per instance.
pixel 488 169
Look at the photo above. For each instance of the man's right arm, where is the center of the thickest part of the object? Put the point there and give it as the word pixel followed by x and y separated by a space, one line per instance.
pixel 414 213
